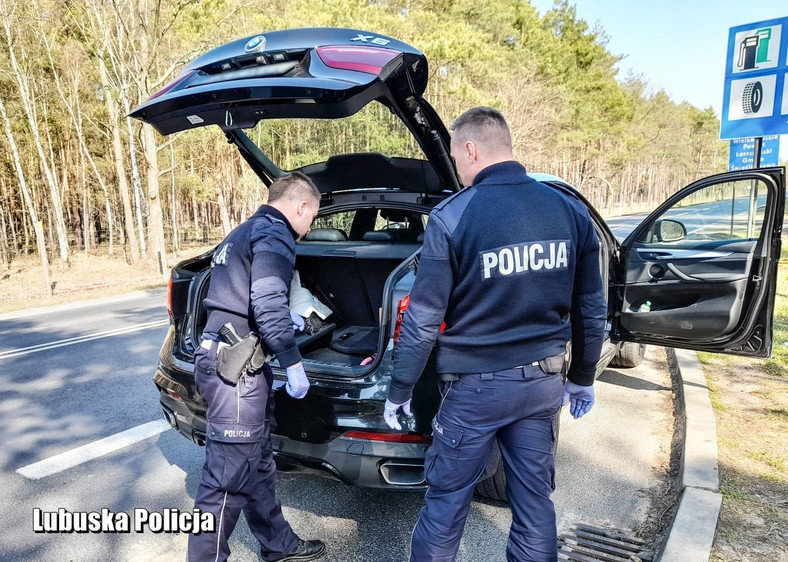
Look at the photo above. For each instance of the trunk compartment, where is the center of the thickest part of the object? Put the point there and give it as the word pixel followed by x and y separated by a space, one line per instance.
pixel 350 278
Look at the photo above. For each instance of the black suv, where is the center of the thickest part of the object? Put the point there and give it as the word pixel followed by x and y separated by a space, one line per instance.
pixel 698 273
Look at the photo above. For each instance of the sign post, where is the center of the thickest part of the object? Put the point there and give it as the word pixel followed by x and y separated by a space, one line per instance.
pixel 755 95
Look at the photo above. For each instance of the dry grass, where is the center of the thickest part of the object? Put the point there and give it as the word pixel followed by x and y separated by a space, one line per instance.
pixel 88 276
pixel 750 399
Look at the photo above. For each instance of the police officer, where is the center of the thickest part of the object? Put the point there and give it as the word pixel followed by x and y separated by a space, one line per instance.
pixel 250 285
pixel 512 267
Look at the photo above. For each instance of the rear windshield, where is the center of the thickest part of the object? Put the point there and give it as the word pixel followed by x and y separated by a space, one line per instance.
pixel 355 224
pixel 294 143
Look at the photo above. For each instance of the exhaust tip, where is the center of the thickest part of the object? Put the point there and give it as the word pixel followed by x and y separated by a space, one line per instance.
pixel 170 417
pixel 402 473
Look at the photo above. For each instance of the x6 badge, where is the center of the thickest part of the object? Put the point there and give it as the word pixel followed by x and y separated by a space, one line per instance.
pixel 371 39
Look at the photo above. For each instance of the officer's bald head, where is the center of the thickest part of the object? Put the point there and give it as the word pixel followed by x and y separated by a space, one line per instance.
pixel 485 127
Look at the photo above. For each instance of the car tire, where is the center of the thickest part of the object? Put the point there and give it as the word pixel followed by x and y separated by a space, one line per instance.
pixel 630 355
pixel 752 97
pixel 494 487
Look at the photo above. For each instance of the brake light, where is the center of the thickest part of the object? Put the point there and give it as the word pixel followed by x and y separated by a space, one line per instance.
pixel 174 395
pixel 172 84
pixel 361 59
pixel 402 306
pixel 389 437
pixel 169 298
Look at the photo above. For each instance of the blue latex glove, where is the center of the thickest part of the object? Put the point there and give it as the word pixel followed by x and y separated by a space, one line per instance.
pixel 580 398
pixel 298 321
pixel 297 383
pixel 390 413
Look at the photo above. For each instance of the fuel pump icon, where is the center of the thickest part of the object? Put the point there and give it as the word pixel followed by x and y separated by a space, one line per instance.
pixel 754 49
pixel 747 51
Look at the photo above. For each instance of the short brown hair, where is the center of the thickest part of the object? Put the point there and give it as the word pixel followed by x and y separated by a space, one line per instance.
pixel 485 126
pixel 292 186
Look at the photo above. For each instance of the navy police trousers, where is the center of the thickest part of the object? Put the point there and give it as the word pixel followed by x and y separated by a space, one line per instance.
pixel 518 408
pixel 239 469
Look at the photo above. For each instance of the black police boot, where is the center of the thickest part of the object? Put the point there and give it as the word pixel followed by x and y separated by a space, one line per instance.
pixel 304 550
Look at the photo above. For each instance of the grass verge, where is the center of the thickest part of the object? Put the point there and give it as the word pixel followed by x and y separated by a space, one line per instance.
pixel 750 401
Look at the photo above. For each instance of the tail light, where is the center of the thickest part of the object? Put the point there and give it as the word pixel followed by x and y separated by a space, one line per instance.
pixel 172 84
pixel 402 306
pixel 390 437
pixel 169 298
pixel 359 58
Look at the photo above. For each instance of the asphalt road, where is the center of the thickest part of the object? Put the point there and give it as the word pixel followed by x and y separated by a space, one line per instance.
pixel 71 376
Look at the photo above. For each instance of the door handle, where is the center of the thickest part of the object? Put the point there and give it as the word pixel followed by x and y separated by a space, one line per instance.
pixel 678 254
pixel 710 278
pixel 683 276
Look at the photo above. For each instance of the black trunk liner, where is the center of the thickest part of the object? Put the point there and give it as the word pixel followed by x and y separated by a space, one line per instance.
pixel 358 340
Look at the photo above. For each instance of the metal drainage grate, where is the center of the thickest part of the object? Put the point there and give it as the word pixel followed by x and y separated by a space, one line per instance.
pixel 585 543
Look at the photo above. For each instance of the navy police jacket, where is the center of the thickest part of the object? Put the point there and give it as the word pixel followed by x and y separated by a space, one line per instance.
pixel 512 267
pixel 250 283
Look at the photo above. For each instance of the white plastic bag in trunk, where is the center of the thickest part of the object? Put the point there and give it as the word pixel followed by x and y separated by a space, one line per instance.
pixel 305 303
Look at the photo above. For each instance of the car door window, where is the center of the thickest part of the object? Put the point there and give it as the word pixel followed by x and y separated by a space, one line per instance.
pixel 698 271
pixel 340 221
pixel 720 213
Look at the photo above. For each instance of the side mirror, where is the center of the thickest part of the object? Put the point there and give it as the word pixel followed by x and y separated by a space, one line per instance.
pixel 669 230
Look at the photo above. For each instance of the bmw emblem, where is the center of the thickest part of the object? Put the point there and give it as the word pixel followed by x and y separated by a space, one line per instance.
pixel 255 44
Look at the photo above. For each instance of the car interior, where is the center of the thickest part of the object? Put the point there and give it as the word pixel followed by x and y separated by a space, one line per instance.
pixel 347 269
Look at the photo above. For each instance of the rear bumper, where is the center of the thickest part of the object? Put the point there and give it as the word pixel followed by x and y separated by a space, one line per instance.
pixel 357 461
pixel 360 462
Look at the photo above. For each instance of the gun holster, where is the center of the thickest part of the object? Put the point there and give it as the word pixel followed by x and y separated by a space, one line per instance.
pixel 243 356
pixel 553 365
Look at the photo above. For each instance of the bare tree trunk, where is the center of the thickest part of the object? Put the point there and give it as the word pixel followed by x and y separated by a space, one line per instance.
pixel 86 228
pixel 173 201
pixel 4 251
pixel 156 246
pixel 135 173
pixel 37 226
pixel 223 211
pixel 23 84
pixel 14 235
pixel 120 169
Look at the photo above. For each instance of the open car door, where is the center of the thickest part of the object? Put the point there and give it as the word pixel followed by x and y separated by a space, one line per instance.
pixel 700 272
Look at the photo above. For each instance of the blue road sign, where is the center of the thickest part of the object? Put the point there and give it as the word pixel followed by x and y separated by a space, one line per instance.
pixel 755 96
pixel 742 154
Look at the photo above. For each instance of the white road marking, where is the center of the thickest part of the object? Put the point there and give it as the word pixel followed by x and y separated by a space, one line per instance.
pixel 80 339
pixel 94 450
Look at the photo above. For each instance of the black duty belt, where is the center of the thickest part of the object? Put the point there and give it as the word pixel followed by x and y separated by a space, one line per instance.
pixel 553 365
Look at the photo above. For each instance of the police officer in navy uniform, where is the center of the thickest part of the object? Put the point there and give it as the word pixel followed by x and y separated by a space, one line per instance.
pixel 250 285
pixel 512 267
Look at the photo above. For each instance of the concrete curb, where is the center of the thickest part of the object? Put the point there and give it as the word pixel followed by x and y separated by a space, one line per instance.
pixel 692 533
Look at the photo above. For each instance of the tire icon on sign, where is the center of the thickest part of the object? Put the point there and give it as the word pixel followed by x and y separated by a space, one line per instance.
pixel 752 97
